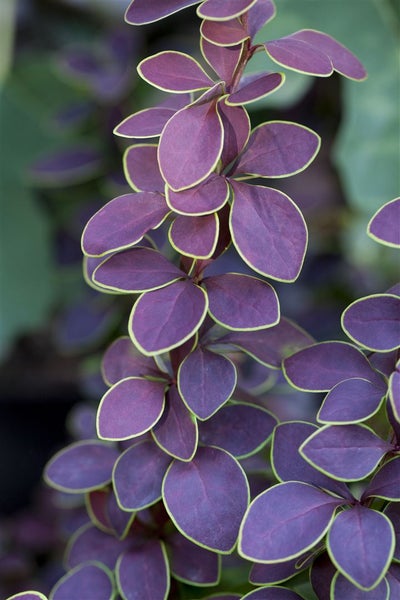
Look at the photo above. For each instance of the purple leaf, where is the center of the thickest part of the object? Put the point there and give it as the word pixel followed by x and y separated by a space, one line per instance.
pixel 81 467
pixel 67 167
pixel 215 10
pixel 394 394
pixel 207 497
pixel 191 563
pixel 123 222
pixel 241 302
pixel 87 580
pixel 268 231
pixel 289 465
pixel 278 149
pixel 194 236
pixel 122 360
pixel 260 14
pixel 224 33
pixel 182 165
pixel 255 86
pixel 272 593
pixel 96 505
pixel 374 322
pixel 351 401
pixel 270 346
pixel 121 520
pixel 383 227
pixel 89 543
pixel 277 572
pixel 392 511
pixel 142 170
pixel 320 367
pixel 241 429
pixel 205 198
pixel 28 596
pixel 166 318
pixel 393 579
pixel 143 573
pixel 386 482
pixel 136 270
pixel 343 588
pixel 138 475
pixel 321 574
pixel 285 521
pixel 145 123
pixel 360 543
pixel 141 12
pixel 206 380
pixel 129 408
pixel 174 72
pixel 223 60
pixel 176 432
pixel 236 125
pixel 344 452
pixel 315 53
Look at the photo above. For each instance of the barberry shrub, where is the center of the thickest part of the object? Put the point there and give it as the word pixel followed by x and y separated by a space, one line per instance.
pixel 172 485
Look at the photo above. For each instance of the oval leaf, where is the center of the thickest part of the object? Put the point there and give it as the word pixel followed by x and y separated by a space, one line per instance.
pixel 207 197
pixel 285 521
pixel 123 222
pixel 241 429
pixel 241 302
pixel 351 401
pixel 217 11
pixel 253 87
pixel 174 72
pixel 138 475
pixel 87 580
pixel 343 588
pixel 361 532
pixel 206 380
pixel 386 482
pixel 206 498
pixel 272 593
pixel 236 125
pixel 195 236
pixel 374 322
pixel 141 12
pixel 89 543
pixel 345 452
pixel 81 467
pixel 268 231
pixel 142 171
pixel 143 573
pixel 383 227
pixel 191 563
pixel 136 270
pixel 122 360
pixel 129 408
pixel 320 367
pixel 176 432
pixel 182 165
pixel 160 320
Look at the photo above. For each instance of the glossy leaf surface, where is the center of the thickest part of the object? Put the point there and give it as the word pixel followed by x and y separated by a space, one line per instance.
pixel 207 498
